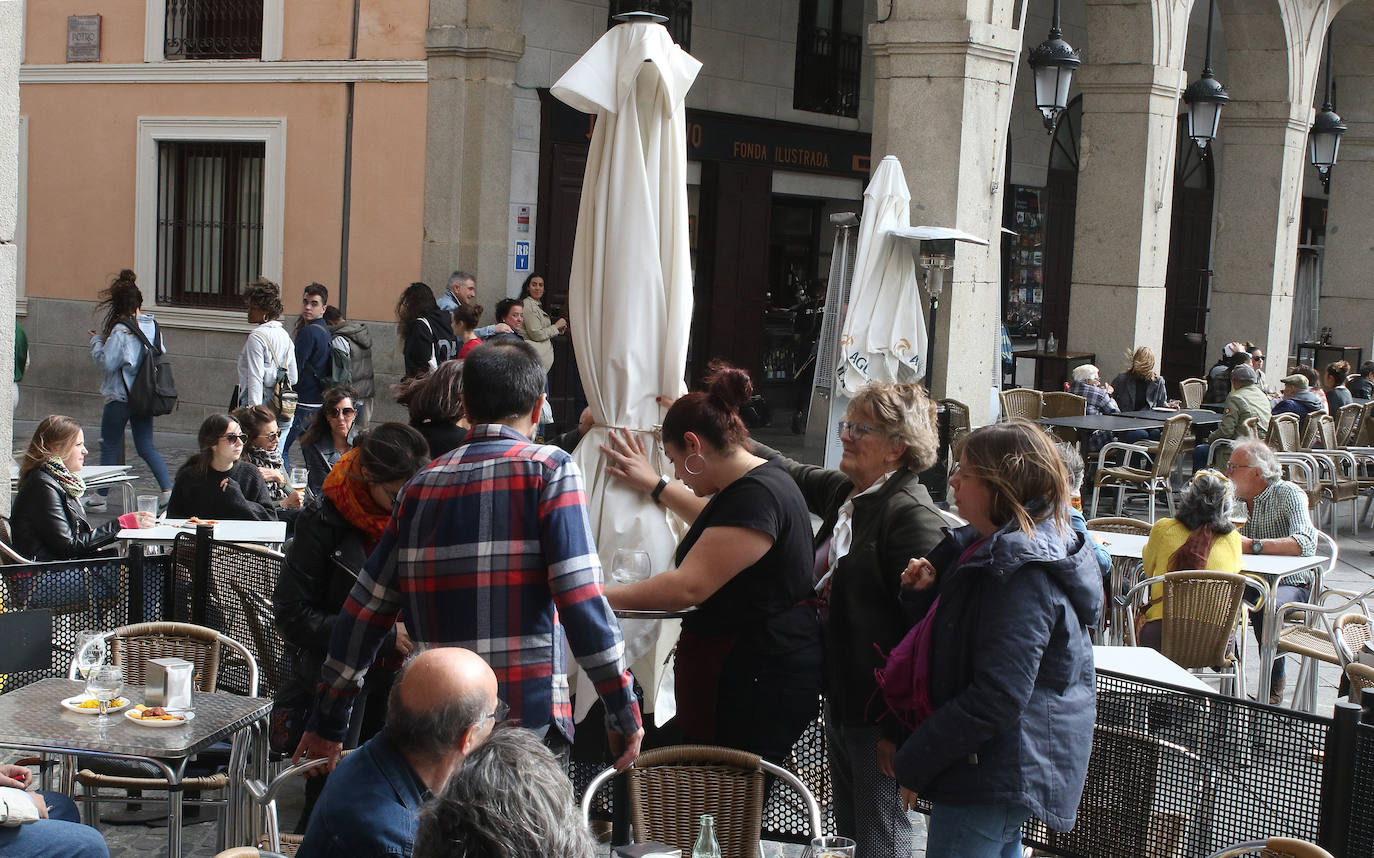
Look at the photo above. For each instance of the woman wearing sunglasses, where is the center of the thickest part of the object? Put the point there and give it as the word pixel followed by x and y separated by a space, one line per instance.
pixel 330 436
pixel 262 452
pixel 216 483
pixel 334 536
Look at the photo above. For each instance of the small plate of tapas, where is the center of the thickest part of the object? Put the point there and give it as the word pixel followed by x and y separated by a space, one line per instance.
pixel 85 704
pixel 154 716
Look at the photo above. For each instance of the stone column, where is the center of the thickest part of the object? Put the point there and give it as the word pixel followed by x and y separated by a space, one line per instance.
pixel 472 48
pixel 1127 147
pixel 1259 201
pixel 1346 303
pixel 11 40
pixel 942 87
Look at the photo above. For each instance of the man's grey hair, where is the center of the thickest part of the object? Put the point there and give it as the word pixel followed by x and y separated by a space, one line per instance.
pixel 1206 502
pixel 1073 463
pixel 433 732
pixel 511 799
pixel 1263 458
pixel 459 277
pixel 1242 376
pixel 1085 372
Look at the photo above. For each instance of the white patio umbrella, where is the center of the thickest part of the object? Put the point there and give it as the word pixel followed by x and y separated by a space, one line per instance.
pixel 884 334
pixel 630 295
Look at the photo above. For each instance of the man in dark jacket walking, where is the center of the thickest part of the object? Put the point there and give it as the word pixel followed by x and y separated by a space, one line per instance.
pixel 312 362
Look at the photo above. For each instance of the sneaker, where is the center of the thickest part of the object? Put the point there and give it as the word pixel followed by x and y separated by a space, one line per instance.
pixel 95 504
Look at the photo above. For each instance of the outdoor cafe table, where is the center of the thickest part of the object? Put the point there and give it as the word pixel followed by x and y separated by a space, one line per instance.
pixel 1201 416
pixel 261 532
pixel 1141 662
pixel 96 477
pixel 32 719
pixel 1271 568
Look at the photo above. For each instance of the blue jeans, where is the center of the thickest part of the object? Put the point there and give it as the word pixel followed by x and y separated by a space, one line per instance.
pixel 112 422
pixel 305 415
pixel 975 830
pixel 61 835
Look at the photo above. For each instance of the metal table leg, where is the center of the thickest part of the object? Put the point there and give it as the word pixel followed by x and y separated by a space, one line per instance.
pixel 1269 649
pixel 174 807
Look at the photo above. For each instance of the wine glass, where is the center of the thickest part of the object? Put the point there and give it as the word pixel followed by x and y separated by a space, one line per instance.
pixel 104 684
pixel 629 566
pixel 299 479
pixel 90 651
pixel 1238 514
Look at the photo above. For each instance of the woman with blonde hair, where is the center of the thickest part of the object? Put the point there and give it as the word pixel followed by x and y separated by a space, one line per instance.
pixel 1140 387
pixel 1011 713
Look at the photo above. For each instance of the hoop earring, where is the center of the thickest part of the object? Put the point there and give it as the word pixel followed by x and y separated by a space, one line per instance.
pixel 688 468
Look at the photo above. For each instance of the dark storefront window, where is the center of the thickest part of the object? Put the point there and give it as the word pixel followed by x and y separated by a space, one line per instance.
pixel 678 13
pixel 213 30
pixel 829 56
pixel 209 221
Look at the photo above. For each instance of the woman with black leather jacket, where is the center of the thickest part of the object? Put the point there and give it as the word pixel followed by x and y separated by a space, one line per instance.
pixel 334 536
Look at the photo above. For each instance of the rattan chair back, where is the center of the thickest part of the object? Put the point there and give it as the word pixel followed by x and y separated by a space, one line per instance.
pixel 1249 429
pixel 1191 391
pixel 960 424
pixel 1059 404
pixel 1311 431
pixel 1364 428
pixel 1274 847
pixel 1354 631
pixel 1201 610
pixel 132 646
pixel 1171 439
pixel 1021 402
pixel 1284 433
pixel 1117 524
pixel 670 789
pixel 1361 677
pixel 1347 421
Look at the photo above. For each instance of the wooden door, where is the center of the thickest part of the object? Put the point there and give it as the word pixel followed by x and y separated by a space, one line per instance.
pixel 1188 280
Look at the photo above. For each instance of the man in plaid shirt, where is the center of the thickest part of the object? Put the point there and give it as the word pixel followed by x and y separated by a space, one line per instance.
pixel 489 548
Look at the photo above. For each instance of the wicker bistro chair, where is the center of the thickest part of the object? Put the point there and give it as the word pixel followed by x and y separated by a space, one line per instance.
pixel 1124 572
pixel 1274 847
pixel 1161 455
pixel 1191 391
pixel 1120 525
pixel 1333 628
pixel 670 788
pixel 1347 421
pixel 1337 469
pixel 1021 402
pixel 1361 677
pixel 1285 433
pixel 1064 405
pixel 1201 613
pixel 130 648
pixel 1249 432
pixel 1364 427
pixel 959 422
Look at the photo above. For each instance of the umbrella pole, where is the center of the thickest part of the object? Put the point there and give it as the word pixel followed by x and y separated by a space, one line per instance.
pixel 930 340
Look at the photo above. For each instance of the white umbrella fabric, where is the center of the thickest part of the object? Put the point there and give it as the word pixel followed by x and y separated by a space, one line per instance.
pixel 630 295
pixel 884 335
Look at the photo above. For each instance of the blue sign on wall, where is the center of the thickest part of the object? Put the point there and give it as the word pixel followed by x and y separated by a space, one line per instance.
pixel 522 256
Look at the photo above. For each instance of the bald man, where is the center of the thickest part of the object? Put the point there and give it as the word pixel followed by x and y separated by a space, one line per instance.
pixel 442 706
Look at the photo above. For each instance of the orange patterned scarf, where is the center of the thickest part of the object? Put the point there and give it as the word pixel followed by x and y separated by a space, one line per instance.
pixel 346 488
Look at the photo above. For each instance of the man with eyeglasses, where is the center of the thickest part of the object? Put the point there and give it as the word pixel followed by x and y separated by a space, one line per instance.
pixel 442 706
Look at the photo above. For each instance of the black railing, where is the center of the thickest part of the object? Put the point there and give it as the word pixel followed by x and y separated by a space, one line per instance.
pixel 213 30
pixel 827 71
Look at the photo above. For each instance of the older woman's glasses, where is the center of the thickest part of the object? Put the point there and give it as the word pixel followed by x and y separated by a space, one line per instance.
pixel 235 438
pixel 857 431
pixel 341 412
pixel 271 436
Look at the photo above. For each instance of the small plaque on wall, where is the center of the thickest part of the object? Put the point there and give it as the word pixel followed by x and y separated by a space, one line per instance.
pixel 83 38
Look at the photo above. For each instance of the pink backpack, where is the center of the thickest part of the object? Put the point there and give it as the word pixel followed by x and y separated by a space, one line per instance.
pixel 904 681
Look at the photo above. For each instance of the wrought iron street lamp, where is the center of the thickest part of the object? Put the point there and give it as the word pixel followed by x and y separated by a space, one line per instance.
pixel 1324 140
pixel 1053 62
pixel 1205 96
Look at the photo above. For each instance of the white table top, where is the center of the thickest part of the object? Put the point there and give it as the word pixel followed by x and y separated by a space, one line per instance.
pixel 90 473
pixel 1142 662
pixel 1269 565
pixel 225 531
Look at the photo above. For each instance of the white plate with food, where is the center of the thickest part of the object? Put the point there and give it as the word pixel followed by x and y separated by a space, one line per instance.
pixel 85 704
pixel 154 716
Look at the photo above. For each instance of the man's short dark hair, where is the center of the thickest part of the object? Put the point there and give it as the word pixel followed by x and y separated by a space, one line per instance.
pixel 511 799
pixel 502 381
pixel 318 289
pixel 434 732
pixel 1367 367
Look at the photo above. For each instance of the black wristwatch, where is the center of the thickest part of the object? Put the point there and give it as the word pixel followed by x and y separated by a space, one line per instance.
pixel 658 489
pixel 1257 546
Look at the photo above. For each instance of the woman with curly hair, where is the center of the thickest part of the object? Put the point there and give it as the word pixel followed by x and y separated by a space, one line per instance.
pixel 118 350
pixel 748 662
pixel 426 332
pixel 268 349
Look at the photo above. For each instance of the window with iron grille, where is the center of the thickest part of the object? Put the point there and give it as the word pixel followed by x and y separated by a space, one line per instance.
pixel 209 221
pixel 213 30
pixel 829 56
pixel 678 13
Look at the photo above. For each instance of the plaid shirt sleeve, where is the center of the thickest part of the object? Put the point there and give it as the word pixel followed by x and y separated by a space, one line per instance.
pixel 575 581
pixel 367 617
pixel 1281 511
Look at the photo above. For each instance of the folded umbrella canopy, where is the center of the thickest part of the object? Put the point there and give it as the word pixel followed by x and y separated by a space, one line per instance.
pixel 630 292
pixel 884 334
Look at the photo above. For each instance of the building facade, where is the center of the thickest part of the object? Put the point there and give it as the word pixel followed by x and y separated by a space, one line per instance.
pixel 365 144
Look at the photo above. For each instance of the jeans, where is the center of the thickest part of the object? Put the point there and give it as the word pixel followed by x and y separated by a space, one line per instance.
pixel 61 835
pixel 112 422
pixel 868 806
pixel 976 830
pixel 305 415
pixel 1286 595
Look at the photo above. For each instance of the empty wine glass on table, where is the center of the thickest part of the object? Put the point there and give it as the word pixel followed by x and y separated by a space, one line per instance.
pixel 104 684
pixel 630 566
pixel 90 651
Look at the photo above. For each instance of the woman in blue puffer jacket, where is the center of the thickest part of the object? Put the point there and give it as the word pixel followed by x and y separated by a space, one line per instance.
pixel 1011 680
pixel 118 351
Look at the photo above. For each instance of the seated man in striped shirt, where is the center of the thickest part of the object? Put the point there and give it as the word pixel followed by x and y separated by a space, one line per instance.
pixel 490 548
pixel 1278 524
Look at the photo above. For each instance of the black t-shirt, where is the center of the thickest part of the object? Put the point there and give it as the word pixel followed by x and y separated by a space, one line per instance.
pixel 765 603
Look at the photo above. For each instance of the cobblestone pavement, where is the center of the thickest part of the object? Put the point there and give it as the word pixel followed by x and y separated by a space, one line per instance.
pixel 1354 571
